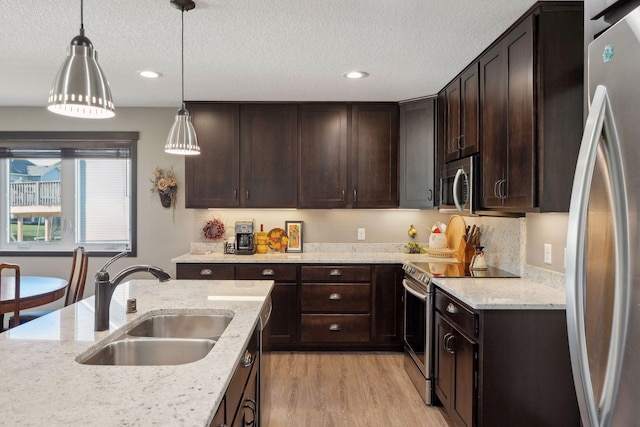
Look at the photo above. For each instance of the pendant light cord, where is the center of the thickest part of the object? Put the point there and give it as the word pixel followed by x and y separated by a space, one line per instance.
pixel 82 17
pixel 182 50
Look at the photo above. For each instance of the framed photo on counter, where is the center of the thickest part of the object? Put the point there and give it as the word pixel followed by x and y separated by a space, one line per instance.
pixel 294 233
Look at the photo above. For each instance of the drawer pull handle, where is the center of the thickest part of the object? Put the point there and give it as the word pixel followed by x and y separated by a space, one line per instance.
pixel 335 272
pixel 247 359
pixel 268 272
pixel 335 327
pixel 206 272
pixel 449 343
pixel 335 297
pixel 452 309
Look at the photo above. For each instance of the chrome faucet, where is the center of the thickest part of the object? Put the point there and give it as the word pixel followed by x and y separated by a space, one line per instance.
pixel 105 287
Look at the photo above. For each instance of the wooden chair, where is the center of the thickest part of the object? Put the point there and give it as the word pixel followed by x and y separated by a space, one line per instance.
pixel 75 288
pixel 16 299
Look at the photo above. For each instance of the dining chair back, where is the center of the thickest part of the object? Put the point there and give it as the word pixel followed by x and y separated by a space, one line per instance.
pixel 79 266
pixel 75 288
pixel 16 299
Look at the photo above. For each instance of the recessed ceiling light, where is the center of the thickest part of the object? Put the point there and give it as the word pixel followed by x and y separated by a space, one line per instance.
pixel 355 75
pixel 148 74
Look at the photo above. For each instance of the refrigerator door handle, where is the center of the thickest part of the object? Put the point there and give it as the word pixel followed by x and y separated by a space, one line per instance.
pixel 600 119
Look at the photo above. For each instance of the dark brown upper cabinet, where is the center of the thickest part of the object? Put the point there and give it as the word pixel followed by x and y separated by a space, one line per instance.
pixel 461 115
pixel 212 178
pixel 531 101
pixel 417 154
pixel 248 156
pixel 348 155
pixel 323 155
pixel 374 156
pixel 269 155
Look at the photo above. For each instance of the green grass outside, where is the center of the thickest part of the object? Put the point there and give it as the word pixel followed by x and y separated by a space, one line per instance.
pixel 31 233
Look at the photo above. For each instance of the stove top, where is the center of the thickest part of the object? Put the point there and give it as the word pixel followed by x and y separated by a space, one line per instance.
pixel 423 271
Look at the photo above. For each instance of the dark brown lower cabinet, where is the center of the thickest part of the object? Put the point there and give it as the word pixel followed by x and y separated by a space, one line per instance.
pixel 388 306
pixel 239 407
pixel 322 307
pixel 456 372
pixel 503 368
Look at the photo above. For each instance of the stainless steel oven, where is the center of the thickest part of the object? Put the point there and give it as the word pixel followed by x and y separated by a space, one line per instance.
pixel 459 181
pixel 418 331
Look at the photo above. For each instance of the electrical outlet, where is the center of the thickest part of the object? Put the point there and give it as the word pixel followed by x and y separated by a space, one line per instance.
pixel 547 253
pixel 361 234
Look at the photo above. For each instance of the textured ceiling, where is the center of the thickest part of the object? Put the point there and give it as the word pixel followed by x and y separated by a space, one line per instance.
pixel 251 50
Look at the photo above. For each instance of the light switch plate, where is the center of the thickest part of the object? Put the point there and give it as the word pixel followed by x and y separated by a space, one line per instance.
pixel 547 253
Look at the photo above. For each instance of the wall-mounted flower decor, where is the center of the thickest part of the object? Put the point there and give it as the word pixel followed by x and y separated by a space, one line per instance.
pixel 165 184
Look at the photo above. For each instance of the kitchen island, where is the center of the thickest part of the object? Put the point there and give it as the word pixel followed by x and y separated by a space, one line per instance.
pixel 43 384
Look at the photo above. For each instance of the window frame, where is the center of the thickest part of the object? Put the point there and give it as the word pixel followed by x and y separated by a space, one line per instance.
pixel 12 139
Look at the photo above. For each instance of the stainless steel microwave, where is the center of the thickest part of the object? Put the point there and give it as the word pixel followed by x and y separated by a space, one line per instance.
pixel 459 186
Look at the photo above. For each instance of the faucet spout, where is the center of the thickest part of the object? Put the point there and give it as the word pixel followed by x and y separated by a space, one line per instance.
pixel 104 288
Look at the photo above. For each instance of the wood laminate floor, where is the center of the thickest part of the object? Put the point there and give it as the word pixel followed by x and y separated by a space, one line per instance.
pixel 345 389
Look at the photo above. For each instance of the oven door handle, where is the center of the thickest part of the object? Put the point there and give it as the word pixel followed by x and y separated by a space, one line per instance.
pixel 413 291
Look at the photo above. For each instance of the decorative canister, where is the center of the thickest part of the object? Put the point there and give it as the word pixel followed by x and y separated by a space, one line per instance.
pixel 438 240
pixel 261 242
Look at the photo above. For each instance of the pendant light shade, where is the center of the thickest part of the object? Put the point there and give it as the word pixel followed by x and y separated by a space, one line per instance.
pixel 81 88
pixel 182 137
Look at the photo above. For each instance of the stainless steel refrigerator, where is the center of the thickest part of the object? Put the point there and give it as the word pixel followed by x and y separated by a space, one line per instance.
pixel 603 240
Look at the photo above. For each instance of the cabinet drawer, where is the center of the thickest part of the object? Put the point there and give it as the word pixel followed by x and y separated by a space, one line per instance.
pixel 333 298
pixel 457 313
pixel 334 328
pixel 335 273
pixel 205 271
pixel 277 272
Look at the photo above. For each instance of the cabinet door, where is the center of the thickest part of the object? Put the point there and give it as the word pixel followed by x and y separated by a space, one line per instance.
pixel 469 111
pixel 456 367
pixel 283 325
pixel 374 159
pixel 444 363
pixel 465 366
pixel 452 121
pixel 520 156
pixel 388 316
pixel 323 156
pixel 494 124
pixel 508 145
pixel 417 154
pixel 268 141
pixel 247 414
pixel 212 177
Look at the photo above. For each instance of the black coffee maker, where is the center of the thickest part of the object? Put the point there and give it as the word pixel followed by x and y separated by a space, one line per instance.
pixel 245 241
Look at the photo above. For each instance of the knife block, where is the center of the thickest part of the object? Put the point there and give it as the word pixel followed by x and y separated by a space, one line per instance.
pixel 465 251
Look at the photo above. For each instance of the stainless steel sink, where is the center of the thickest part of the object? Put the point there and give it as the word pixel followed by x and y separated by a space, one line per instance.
pixel 163 339
pixel 150 351
pixel 182 326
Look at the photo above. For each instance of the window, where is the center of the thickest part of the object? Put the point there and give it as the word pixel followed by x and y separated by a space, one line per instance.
pixel 67 189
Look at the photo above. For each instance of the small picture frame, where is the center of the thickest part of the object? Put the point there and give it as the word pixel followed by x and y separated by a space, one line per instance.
pixel 294 234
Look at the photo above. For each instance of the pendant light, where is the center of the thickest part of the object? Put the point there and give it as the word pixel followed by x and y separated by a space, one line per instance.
pixel 182 137
pixel 81 88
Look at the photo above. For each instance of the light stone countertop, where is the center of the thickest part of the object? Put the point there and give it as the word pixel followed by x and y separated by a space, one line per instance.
pixel 503 293
pixel 42 384
pixel 478 293
pixel 310 257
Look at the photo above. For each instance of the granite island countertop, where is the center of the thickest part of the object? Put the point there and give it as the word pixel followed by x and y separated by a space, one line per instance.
pixel 43 384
